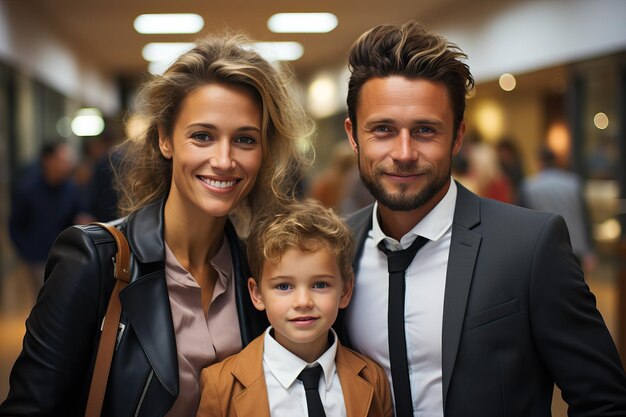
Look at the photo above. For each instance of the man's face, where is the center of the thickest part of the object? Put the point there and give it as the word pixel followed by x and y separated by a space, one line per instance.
pixel 59 166
pixel 405 141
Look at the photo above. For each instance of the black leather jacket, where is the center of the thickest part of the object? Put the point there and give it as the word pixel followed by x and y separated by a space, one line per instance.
pixel 52 374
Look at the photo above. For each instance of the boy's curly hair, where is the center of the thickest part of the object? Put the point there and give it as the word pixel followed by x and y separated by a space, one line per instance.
pixel 304 225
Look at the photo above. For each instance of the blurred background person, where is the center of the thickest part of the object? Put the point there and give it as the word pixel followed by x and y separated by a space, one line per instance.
pixel 103 198
pixel 357 196
pixel 329 187
pixel 486 173
pixel 45 201
pixel 511 165
pixel 339 186
pixel 557 190
pixel 461 169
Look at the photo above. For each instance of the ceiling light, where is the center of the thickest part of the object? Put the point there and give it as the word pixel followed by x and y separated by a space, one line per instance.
pixel 601 121
pixel 165 51
pixel 168 23
pixel 158 67
pixel 279 51
pixel 302 22
pixel 88 122
pixel 507 82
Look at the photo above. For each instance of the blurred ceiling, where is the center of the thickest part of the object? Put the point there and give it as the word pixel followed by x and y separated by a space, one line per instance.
pixel 102 33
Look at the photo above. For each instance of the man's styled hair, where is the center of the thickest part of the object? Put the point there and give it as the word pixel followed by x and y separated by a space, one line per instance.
pixel 408 51
pixel 304 225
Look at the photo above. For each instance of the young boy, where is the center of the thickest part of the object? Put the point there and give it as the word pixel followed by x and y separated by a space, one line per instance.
pixel 301 263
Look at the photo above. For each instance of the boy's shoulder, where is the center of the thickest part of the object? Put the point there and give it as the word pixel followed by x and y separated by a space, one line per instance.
pixel 243 364
pixel 360 374
pixel 358 363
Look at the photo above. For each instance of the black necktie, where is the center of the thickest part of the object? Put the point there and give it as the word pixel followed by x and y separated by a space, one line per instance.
pixel 398 262
pixel 310 377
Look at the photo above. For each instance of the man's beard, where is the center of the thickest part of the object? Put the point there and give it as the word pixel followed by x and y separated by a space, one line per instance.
pixel 402 201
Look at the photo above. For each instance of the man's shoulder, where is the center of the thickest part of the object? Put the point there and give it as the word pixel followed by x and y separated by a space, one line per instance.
pixel 356 219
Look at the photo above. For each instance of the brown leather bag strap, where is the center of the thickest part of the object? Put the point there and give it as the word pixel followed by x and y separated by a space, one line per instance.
pixel 111 321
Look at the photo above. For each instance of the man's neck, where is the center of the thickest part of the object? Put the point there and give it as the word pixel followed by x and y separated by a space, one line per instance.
pixel 396 224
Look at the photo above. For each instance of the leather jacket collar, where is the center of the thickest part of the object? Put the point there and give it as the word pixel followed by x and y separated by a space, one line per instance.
pixel 144 231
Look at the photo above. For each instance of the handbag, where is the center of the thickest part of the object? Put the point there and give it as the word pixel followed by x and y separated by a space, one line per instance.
pixel 110 324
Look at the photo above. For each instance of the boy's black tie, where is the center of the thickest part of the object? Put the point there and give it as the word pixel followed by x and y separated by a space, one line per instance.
pixel 398 262
pixel 310 377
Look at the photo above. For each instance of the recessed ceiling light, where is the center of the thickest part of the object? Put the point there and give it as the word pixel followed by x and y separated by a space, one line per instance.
pixel 279 51
pixel 601 121
pixel 165 51
pixel 169 23
pixel 507 82
pixel 88 122
pixel 302 22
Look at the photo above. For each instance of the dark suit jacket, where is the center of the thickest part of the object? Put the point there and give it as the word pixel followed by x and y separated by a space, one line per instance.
pixel 517 317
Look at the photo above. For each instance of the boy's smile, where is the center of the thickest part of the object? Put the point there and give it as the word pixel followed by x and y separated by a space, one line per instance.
pixel 301 294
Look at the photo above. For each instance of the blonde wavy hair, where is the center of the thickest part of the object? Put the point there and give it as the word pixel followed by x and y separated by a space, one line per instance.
pixel 304 225
pixel 144 175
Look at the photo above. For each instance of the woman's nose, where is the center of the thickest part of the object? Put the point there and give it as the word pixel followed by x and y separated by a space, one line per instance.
pixel 222 156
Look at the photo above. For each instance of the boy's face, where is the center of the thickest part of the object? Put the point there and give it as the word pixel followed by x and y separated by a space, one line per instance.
pixel 302 294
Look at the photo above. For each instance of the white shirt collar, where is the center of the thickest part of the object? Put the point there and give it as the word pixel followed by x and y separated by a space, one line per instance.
pixel 286 366
pixel 433 226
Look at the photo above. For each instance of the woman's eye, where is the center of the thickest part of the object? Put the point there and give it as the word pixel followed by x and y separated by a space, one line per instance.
pixel 203 137
pixel 283 287
pixel 320 285
pixel 246 140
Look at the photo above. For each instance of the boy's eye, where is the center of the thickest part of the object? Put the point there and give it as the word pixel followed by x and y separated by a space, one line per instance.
pixel 319 285
pixel 283 287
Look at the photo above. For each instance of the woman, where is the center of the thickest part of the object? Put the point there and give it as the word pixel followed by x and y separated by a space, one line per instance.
pixel 220 143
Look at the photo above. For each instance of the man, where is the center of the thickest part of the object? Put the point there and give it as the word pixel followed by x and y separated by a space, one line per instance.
pixel 559 191
pixel 495 309
pixel 45 202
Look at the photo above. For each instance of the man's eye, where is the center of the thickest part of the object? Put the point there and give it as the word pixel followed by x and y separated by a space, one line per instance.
pixel 425 129
pixel 382 129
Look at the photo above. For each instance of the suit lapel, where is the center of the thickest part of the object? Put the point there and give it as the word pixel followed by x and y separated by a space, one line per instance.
pixel 357 393
pixel 252 400
pixel 464 247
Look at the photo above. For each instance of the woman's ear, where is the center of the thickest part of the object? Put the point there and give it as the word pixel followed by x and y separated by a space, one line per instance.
pixel 165 145
pixel 255 294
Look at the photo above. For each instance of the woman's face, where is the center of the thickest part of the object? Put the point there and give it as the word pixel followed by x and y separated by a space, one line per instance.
pixel 215 147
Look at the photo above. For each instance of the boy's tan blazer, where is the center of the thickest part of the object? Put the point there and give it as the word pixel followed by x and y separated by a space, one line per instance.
pixel 236 386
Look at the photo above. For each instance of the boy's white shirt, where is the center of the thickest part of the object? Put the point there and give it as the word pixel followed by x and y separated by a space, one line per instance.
pixel 281 369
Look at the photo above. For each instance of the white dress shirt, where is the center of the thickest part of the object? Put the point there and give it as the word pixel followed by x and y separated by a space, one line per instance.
pixel 423 312
pixel 286 393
